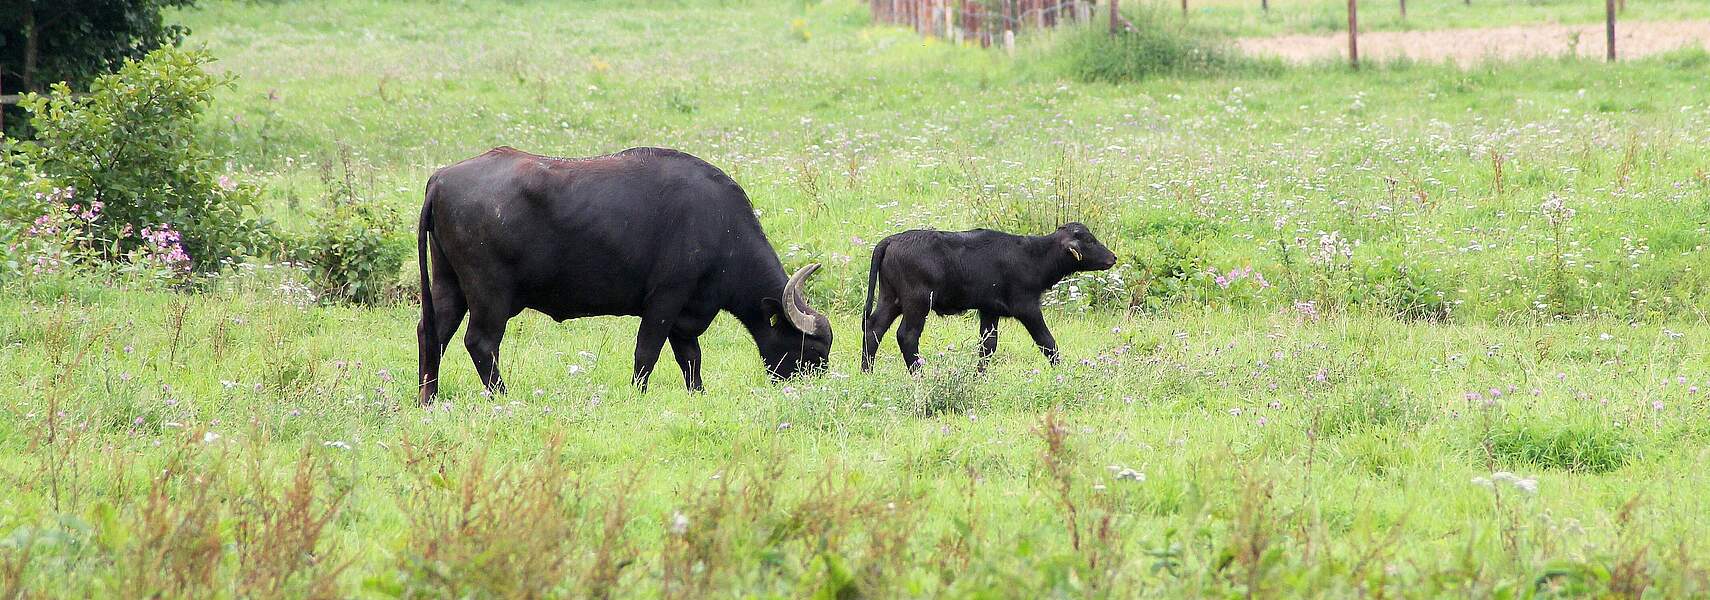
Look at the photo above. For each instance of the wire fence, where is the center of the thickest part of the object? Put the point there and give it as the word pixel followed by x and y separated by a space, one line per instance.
pixel 989 22
pixel 985 22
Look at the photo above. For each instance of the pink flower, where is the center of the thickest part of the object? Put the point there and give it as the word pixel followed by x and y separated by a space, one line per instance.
pixel 226 183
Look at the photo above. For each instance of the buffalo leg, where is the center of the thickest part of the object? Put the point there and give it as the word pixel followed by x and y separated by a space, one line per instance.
pixel 649 342
pixel 486 330
pixel 448 310
pixel 908 336
pixel 988 336
pixel 687 349
pixel 873 331
pixel 1035 323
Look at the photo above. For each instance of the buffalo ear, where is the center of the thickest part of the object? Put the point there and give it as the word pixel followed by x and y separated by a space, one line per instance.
pixel 773 309
pixel 1074 248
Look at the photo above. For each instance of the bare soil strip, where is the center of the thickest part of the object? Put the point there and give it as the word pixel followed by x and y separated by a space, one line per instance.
pixel 1470 46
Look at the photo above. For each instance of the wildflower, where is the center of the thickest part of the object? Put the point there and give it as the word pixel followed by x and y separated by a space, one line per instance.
pixel 679 523
pixel 1555 210
pixel 226 183
pixel 1495 392
pixel 1483 482
pixel 340 444
pixel 209 437
pixel 1332 248
pixel 574 369
pixel 1528 485
pixel 1235 412
pixel 1127 474
pixel 1657 405
pixel 784 426
pixel 1262 421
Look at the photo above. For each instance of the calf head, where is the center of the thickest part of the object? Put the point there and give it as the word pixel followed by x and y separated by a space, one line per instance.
pixel 800 337
pixel 1085 252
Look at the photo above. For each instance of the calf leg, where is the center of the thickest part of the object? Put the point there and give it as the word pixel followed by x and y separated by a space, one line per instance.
pixel 448 310
pixel 873 331
pixel 486 330
pixel 1035 323
pixel 988 336
pixel 908 335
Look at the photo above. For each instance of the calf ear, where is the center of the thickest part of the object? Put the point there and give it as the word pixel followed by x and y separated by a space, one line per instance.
pixel 1074 248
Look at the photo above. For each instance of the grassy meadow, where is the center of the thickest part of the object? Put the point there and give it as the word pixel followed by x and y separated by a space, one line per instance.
pixel 1412 331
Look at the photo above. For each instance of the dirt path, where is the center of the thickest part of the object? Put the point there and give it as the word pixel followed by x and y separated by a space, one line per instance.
pixel 1467 46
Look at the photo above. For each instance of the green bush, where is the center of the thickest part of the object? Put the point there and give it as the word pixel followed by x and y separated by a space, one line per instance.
pixel 1574 447
pixel 1370 407
pixel 129 150
pixel 354 253
pixel 1167 267
pixel 1402 291
pixel 1150 47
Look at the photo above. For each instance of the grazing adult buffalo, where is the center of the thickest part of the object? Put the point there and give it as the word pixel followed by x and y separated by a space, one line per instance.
pixel 996 273
pixel 648 232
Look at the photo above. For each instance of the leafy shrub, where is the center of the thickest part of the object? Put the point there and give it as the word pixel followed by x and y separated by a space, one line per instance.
pixel 1167 266
pixel 48 230
pixel 1368 408
pixel 948 384
pixel 354 252
pixel 1401 291
pixel 1151 46
pixel 129 149
pixel 1576 447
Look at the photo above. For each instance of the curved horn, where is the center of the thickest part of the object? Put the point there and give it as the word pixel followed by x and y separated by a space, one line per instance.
pixel 795 302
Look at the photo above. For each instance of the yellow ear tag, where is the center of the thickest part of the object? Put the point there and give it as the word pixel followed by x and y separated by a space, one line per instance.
pixel 1075 253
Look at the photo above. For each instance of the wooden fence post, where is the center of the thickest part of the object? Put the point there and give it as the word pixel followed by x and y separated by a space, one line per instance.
pixel 1265 5
pixel 1184 8
pixel 1609 9
pixel 1113 17
pixel 1354 33
pixel 1403 9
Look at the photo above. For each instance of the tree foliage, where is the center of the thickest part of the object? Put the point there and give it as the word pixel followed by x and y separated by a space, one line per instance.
pixel 43 42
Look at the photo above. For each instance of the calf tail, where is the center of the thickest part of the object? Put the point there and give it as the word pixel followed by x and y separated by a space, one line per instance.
pixel 873 280
pixel 430 336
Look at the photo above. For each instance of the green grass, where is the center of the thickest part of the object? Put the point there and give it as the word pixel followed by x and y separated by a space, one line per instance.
pixel 158 441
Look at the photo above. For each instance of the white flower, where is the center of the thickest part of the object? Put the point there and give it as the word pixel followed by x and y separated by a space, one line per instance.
pixel 1528 485
pixel 340 444
pixel 209 437
pixel 679 523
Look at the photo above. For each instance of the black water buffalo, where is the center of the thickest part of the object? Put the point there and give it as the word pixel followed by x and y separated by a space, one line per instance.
pixel 996 273
pixel 647 232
